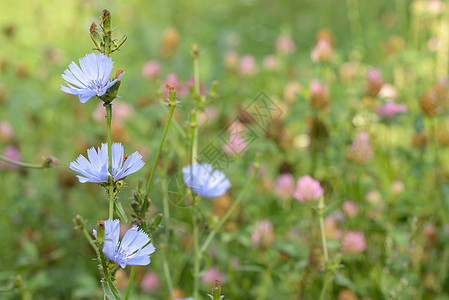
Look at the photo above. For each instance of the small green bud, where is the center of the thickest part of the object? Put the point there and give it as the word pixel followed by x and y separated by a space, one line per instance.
pixel 138 197
pixel 156 221
pixel 100 234
pixel 118 185
pixel 140 185
pixel 171 96
pixel 79 221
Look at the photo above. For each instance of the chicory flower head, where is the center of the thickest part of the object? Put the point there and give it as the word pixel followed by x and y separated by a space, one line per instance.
pixel 92 79
pixel 204 181
pixel 96 169
pixel 134 249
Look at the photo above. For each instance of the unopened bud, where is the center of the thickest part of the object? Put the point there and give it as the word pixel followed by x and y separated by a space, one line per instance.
pixel 157 220
pixel 140 186
pixel 195 51
pixel 100 232
pixel 79 221
pixel 216 291
pixel 50 162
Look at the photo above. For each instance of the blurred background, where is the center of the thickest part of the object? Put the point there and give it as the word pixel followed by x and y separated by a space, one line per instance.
pixel 328 65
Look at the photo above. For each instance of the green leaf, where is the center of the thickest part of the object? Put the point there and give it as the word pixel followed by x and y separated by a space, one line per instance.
pixel 120 212
pixel 110 290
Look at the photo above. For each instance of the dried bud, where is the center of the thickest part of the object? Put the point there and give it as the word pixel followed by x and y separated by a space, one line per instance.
pixel 50 162
pixel 92 28
pixel 118 73
pixel 106 22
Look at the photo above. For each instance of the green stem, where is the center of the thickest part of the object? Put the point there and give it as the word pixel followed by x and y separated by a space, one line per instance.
pixel 166 209
pixel 111 179
pixel 196 261
pixel 323 241
pixel 323 235
pixel 159 150
pixel 21 164
pixel 327 280
pixel 100 255
pixel 130 280
pixel 229 212
pixel 91 241
pixel 167 276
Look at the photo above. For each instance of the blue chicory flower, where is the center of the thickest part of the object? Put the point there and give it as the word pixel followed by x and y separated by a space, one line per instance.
pixel 96 169
pixel 204 181
pixel 92 79
pixel 134 249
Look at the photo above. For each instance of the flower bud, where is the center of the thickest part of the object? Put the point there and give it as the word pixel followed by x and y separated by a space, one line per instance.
pixel 100 233
pixel 50 162
pixel 79 221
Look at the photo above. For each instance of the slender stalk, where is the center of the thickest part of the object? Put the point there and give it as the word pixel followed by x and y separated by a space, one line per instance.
pixel 323 241
pixel 167 276
pixel 229 212
pixel 166 210
pixel 196 79
pixel 196 258
pixel 327 280
pixel 110 180
pixel 196 253
pixel 91 241
pixel 100 255
pixel 130 280
pixel 159 150
pixel 323 235
pixel 22 164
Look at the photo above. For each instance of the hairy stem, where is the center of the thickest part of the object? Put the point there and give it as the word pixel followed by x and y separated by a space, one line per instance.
pixel 22 164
